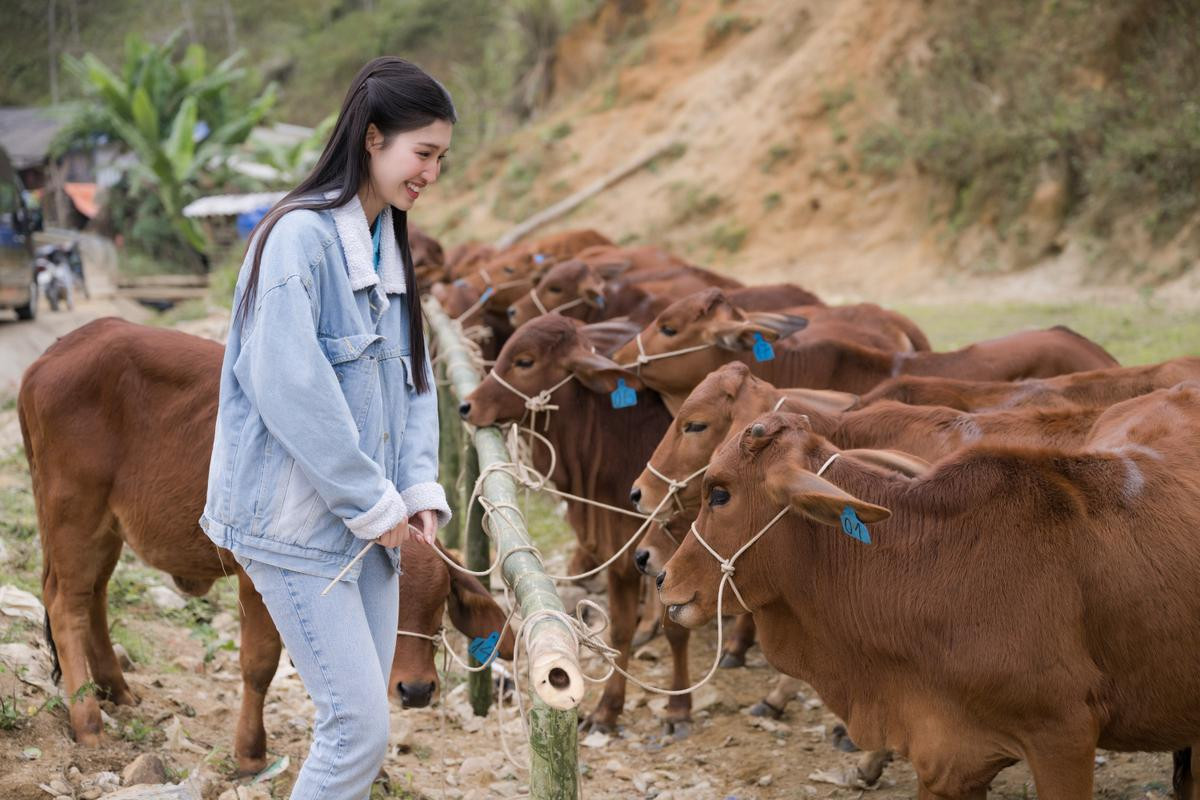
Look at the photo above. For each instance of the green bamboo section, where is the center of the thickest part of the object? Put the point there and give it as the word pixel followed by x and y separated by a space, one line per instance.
pixel 554 773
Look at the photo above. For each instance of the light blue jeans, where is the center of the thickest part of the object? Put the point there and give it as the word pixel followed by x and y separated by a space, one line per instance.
pixel 331 640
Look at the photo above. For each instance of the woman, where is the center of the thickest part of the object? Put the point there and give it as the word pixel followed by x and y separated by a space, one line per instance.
pixel 327 427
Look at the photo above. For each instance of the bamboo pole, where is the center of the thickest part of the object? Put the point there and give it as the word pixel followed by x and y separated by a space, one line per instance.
pixel 450 453
pixel 556 680
pixel 479 556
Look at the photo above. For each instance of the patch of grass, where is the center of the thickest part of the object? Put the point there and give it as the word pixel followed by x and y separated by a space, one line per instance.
pixel 689 202
pixel 8 403
pixel 777 154
pixel 673 152
pixel 881 150
pixel 834 99
pixel 137 731
pixel 772 201
pixel 140 650
pixel 547 528
pixel 1134 333
pixel 725 24
pixel 560 131
pixel 183 312
pixel 728 236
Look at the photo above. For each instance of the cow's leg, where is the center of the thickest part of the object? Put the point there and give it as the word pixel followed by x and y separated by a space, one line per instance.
pixel 1063 769
pixel 870 765
pixel 622 605
pixel 776 701
pixel 69 531
pixel 1187 763
pixel 106 669
pixel 259 658
pixel 651 614
pixel 679 707
pixel 974 794
pixel 738 641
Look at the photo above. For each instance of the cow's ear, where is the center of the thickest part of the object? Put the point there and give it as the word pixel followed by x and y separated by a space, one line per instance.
pixel 904 463
pixel 600 374
pixel 819 500
pixel 610 270
pixel 591 290
pixel 827 401
pixel 736 334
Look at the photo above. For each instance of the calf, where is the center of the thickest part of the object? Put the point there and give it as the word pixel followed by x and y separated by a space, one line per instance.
pixel 118 423
pixel 1012 603
pixel 600 449
pixel 1097 387
pixel 427 256
pixel 704 332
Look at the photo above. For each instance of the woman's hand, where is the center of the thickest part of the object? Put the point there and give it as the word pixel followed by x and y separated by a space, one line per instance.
pixel 397 536
pixel 426 522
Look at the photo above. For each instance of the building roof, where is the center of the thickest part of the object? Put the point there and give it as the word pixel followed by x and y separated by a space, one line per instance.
pixel 26 133
pixel 225 205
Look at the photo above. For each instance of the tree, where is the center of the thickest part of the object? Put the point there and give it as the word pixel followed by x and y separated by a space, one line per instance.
pixel 180 119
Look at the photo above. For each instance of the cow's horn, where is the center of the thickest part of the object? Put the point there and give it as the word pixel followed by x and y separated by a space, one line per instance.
pixel 758 430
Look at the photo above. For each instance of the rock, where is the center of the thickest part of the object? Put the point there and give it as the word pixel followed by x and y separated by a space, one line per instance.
pixel 766 780
pixel 165 598
pixel 642 781
pixel 189 664
pixel 57 786
pixel 146 768
pixel 166 791
pixel 30 664
pixel 74 774
pixel 246 793
pixel 596 739
pixel 123 657
pixel 91 794
pixel 477 770
pixel 107 781
pixel 19 604
pixel 31 754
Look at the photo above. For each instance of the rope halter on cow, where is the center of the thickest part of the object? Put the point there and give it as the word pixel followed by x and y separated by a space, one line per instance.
pixel 539 402
pixel 727 568
pixel 644 358
pixel 537 301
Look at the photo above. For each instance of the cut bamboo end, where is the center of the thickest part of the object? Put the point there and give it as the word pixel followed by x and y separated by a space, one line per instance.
pixel 554 668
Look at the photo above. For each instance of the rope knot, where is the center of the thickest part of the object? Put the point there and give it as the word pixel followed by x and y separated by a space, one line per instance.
pixel 727 568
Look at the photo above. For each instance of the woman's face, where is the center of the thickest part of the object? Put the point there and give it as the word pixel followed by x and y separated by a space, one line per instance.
pixel 411 161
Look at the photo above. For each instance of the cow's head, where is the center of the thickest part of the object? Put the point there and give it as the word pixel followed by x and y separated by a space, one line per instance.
pixel 564 284
pixel 428 588
pixel 540 355
pixel 708 321
pixel 771 465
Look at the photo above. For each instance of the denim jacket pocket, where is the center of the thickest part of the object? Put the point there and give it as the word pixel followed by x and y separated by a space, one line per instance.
pixel 354 363
pixel 299 506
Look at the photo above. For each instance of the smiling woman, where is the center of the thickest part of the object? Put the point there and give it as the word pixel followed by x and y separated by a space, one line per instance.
pixel 326 434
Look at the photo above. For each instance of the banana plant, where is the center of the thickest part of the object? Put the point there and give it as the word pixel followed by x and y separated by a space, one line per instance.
pixel 180 120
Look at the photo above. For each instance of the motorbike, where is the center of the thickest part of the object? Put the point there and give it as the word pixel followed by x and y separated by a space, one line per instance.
pixel 55 278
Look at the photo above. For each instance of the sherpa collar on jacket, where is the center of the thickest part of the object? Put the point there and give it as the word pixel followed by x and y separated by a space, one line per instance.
pixel 355 233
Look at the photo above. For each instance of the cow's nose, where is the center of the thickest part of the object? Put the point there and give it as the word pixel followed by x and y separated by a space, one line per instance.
pixel 464 409
pixel 416 694
pixel 659 578
pixel 642 558
pixel 635 495
pixel 512 314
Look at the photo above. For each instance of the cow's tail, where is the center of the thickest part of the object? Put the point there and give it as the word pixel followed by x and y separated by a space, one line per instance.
pixel 1182 777
pixel 56 674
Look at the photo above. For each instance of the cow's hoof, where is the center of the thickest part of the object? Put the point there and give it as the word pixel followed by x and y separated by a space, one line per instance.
pixel 842 741
pixel 248 766
pixel 764 709
pixel 732 661
pixel 88 739
pixel 677 730
pixel 870 766
pixel 595 724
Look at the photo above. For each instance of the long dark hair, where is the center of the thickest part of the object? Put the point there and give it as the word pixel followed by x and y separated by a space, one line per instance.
pixel 397 96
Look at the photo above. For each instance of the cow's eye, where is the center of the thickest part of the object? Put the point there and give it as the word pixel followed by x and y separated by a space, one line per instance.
pixel 666 330
pixel 524 363
pixel 694 427
pixel 554 289
pixel 717 496
pixel 509 270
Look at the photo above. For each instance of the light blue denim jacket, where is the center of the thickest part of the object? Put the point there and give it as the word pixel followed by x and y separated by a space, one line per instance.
pixel 322 443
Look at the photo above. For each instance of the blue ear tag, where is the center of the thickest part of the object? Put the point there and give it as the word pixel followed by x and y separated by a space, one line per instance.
pixel 623 396
pixel 488 292
pixel 538 258
pixel 854 527
pixel 482 649
pixel 460 282
pixel 600 301
pixel 762 348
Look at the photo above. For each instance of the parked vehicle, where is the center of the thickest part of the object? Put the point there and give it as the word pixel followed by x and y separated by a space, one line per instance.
pixel 18 284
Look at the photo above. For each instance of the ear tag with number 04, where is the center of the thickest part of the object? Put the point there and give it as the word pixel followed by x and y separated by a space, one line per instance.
pixel 854 527
pixel 623 396
pixel 762 348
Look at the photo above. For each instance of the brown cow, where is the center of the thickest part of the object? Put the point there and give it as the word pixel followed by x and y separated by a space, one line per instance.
pixel 1101 387
pixel 427 256
pixel 118 423
pixel 602 283
pixel 1013 603
pixel 720 334
pixel 465 259
pixel 600 449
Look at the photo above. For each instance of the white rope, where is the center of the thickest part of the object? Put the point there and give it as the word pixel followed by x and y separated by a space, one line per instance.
pixel 644 359
pixel 537 301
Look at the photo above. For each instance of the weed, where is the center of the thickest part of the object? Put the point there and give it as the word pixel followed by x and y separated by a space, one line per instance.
pixel 881 150
pixel 723 25
pixel 689 202
pixel 728 236
pixel 777 154
pixel 832 100
pixel 560 131
pixel 673 152
pixel 772 201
